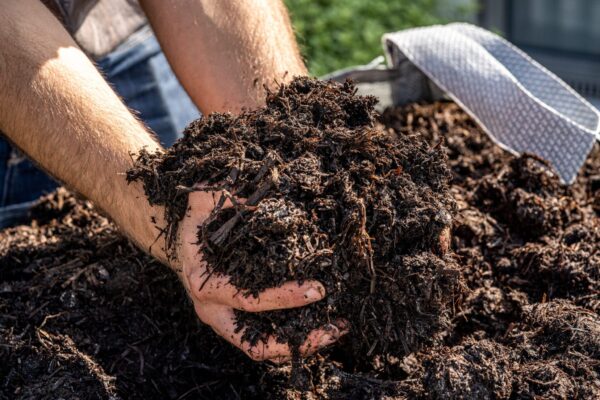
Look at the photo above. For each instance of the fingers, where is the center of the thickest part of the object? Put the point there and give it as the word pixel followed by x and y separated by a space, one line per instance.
pixel 318 340
pixel 222 319
pixel 323 337
pixel 217 289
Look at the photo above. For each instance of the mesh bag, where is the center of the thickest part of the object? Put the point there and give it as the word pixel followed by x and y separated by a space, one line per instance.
pixel 520 104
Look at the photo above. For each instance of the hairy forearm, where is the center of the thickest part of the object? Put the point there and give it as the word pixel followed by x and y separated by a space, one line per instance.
pixel 223 52
pixel 57 108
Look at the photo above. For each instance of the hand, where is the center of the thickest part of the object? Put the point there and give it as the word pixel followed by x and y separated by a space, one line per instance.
pixel 215 298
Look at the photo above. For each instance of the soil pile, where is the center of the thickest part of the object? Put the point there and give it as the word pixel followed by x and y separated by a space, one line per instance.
pixel 530 248
pixel 85 315
pixel 331 196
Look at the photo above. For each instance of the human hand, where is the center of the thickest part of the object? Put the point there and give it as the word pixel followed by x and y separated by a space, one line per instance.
pixel 215 299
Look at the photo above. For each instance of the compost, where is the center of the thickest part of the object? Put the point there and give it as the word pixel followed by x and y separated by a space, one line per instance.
pixel 513 308
pixel 331 196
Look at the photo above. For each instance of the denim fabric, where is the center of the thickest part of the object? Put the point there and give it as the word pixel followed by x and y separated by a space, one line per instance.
pixel 139 72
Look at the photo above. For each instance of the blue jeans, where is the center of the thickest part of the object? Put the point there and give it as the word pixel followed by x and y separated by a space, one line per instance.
pixel 140 74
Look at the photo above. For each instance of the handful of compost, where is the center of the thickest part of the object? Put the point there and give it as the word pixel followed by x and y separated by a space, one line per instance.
pixel 311 187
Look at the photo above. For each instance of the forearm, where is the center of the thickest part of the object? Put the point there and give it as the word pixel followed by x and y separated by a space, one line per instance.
pixel 223 52
pixel 57 108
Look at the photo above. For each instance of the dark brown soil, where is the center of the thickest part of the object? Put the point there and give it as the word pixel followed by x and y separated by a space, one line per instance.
pixel 331 196
pixel 85 315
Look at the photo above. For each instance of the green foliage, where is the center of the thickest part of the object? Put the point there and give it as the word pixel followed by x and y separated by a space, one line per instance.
pixel 334 34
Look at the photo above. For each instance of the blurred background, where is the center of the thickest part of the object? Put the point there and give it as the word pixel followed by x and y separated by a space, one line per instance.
pixel 563 35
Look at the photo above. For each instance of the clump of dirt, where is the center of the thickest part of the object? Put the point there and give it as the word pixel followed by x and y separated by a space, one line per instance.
pixel 331 195
pixel 85 315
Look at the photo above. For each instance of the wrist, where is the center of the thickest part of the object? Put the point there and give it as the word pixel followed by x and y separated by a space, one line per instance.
pixel 127 204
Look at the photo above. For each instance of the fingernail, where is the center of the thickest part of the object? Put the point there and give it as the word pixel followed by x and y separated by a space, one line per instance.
pixel 315 293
